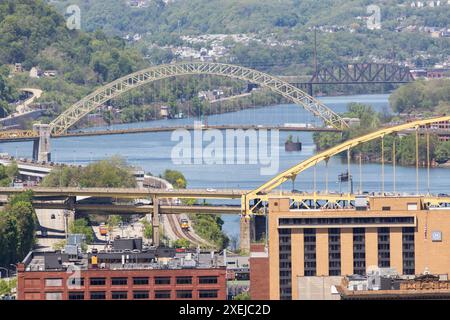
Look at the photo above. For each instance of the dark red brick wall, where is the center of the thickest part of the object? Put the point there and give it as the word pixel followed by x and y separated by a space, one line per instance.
pixel 259 275
pixel 36 288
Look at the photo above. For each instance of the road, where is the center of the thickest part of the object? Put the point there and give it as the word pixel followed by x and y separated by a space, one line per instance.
pixel 23 107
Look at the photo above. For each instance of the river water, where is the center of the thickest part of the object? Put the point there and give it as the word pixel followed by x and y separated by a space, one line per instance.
pixel 152 152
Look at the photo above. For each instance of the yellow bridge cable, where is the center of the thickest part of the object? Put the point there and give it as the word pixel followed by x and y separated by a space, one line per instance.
pixel 295 170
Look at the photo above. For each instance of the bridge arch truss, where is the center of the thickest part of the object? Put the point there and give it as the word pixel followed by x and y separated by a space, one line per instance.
pixel 114 89
pixel 262 193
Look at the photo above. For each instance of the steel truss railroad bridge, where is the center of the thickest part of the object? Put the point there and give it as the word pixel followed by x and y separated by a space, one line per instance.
pixel 356 73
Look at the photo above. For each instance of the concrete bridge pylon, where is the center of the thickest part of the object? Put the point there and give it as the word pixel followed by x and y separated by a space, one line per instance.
pixel 41 146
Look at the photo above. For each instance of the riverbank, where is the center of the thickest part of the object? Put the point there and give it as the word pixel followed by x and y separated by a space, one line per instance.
pixel 188 109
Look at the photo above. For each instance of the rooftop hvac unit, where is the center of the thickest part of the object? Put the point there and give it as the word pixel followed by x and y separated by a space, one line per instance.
pixel 361 203
pixel 189 264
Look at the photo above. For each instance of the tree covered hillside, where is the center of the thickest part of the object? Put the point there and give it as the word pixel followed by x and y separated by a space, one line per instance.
pixel 35 34
pixel 235 16
pixel 283 20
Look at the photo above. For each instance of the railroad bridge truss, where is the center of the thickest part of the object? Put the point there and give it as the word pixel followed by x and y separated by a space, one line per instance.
pixel 357 73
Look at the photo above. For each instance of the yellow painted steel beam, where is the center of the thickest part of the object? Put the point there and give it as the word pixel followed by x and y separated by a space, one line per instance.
pixel 18 134
pixel 292 172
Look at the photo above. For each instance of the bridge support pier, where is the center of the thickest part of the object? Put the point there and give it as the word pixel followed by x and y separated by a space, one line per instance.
pixel 155 222
pixel 41 146
pixel 245 234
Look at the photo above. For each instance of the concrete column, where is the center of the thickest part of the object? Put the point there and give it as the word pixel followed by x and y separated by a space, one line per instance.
pixel 244 242
pixel 155 222
pixel 41 147
pixel 371 248
pixel 322 252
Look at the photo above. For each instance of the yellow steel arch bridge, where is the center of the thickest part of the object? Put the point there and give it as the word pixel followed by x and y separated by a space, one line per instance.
pixel 80 109
pixel 251 202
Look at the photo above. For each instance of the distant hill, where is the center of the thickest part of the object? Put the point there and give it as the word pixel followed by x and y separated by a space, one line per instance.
pixel 343 33
pixel 236 16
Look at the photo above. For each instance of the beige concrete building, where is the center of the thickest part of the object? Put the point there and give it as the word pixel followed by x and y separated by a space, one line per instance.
pixel 390 232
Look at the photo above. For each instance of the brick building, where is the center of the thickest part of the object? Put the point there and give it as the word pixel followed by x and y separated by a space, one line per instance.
pixel 120 274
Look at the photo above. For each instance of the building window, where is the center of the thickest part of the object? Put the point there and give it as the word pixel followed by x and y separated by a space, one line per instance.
pixel 384 248
pixel 97 281
pixel 98 295
pixel 75 282
pixel 53 296
pixel 285 264
pixel 119 281
pixel 207 294
pixel 140 295
pixel 184 294
pixel 207 280
pixel 309 239
pixel 119 295
pixel 162 280
pixel 408 251
pixel 162 294
pixel 386 208
pixel 334 252
pixel 53 282
pixel 140 281
pixel 359 251
pixel 184 280
pixel 369 221
pixel 76 295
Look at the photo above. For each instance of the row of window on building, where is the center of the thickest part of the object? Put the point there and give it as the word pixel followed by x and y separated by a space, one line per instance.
pixel 136 295
pixel 334 254
pixel 123 281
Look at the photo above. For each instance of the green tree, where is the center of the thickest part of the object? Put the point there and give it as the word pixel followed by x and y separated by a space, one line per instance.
pixel 17 229
pixel 114 220
pixel 108 173
pixel 8 286
pixel 182 243
pixel 148 229
pixel 209 227
pixel 243 296
pixel 81 226
pixel 443 152
pixel 176 178
pixel 26 226
pixel 12 170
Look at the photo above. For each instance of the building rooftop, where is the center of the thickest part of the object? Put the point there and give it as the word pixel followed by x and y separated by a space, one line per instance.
pixel 387 287
pixel 125 254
